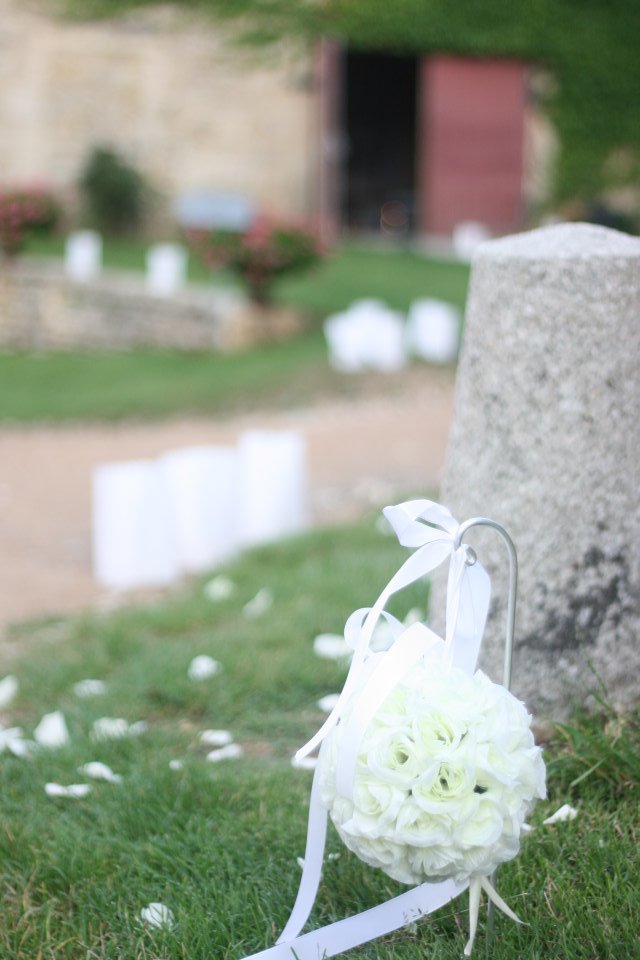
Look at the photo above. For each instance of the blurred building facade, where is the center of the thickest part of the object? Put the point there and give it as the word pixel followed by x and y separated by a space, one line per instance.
pixel 364 141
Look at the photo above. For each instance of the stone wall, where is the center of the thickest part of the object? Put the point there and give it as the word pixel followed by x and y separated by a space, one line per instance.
pixel 41 310
pixel 166 90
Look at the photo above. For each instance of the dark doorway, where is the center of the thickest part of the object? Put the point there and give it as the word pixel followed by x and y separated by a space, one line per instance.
pixel 380 130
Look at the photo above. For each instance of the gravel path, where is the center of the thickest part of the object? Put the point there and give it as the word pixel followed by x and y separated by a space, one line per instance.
pixel 360 452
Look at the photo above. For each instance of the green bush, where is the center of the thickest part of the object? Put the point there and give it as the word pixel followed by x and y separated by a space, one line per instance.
pixel 114 193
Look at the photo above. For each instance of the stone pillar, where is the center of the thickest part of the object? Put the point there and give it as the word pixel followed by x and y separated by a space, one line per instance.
pixel 546 440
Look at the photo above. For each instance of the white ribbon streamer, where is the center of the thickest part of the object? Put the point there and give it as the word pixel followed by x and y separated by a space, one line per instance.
pixel 335 938
pixel 430 529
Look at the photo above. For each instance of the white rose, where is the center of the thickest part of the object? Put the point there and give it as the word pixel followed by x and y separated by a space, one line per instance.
pixel 417 828
pixel 376 805
pixel 393 758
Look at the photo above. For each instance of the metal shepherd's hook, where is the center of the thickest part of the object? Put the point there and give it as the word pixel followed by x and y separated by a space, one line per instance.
pixel 510 626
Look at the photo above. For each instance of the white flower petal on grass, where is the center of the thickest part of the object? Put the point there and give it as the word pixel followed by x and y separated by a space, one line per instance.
pixel 116 728
pixel 231 752
pixel 135 729
pixel 99 771
pixel 258 605
pixel 75 790
pixel 89 688
pixel 304 763
pixel 326 704
pixel 22 748
pixel 566 812
pixel 203 667
pixel 176 764
pixel 300 862
pixel 8 690
pixel 8 735
pixel 52 731
pixel 109 728
pixel 156 915
pixel 216 738
pixel 331 646
pixel 218 588
pixel 12 739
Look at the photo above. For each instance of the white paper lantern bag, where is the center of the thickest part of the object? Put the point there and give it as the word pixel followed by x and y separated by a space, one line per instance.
pixel 166 265
pixel 272 485
pixel 202 494
pixel 133 538
pixel 83 256
pixel 433 330
pixel 367 336
pixel 427 768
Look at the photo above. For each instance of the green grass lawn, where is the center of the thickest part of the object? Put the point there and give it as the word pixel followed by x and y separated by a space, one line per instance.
pixel 217 843
pixel 154 384
pixel 93 386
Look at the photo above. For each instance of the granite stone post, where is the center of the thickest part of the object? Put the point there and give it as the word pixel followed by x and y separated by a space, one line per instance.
pixel 546 440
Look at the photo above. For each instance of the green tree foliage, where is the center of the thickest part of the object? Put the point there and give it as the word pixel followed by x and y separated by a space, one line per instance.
pixel 589 47
pixel 114 193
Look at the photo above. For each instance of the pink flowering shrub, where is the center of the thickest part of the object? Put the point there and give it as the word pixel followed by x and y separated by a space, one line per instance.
pixel 266 251
pixel 22 211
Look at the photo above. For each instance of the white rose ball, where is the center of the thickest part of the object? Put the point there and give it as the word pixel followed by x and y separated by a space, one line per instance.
pixel 447 772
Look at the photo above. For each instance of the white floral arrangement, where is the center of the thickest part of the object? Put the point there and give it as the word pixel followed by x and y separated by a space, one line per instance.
pixel 447 772
pixel 427 768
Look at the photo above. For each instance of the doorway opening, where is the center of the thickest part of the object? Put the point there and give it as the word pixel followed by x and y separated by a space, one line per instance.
pixel 379 175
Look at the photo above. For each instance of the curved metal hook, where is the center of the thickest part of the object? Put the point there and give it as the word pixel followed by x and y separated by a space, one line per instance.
pixel 510 628
pixel 513 584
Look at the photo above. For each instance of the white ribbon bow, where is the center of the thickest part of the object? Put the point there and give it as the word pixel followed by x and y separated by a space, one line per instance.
pixel 431 530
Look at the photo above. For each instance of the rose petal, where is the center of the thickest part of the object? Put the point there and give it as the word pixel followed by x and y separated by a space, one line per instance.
pixel 219 588
pixel 8 690
pixel 259 605
pixel 135 729
pixel 109 728
pixel 100 771
pixel 231 752
pixel 157 915
pixel 8 736
pixel 566 812
pixel 203 667
pixel 331 646
pixel 22 748
pixel 326 704
pixel 52 731
pixel 215 738
pixel 74 790
pixel 89 688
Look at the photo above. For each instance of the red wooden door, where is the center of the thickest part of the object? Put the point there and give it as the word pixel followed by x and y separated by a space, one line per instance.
pixel 471 130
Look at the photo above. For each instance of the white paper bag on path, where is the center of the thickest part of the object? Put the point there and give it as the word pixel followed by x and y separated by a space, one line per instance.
pixel 272 485
pixel 133 538
pixel 202 487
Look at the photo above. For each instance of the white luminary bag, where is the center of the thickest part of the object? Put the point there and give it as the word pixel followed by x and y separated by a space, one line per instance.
pixel 427 768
